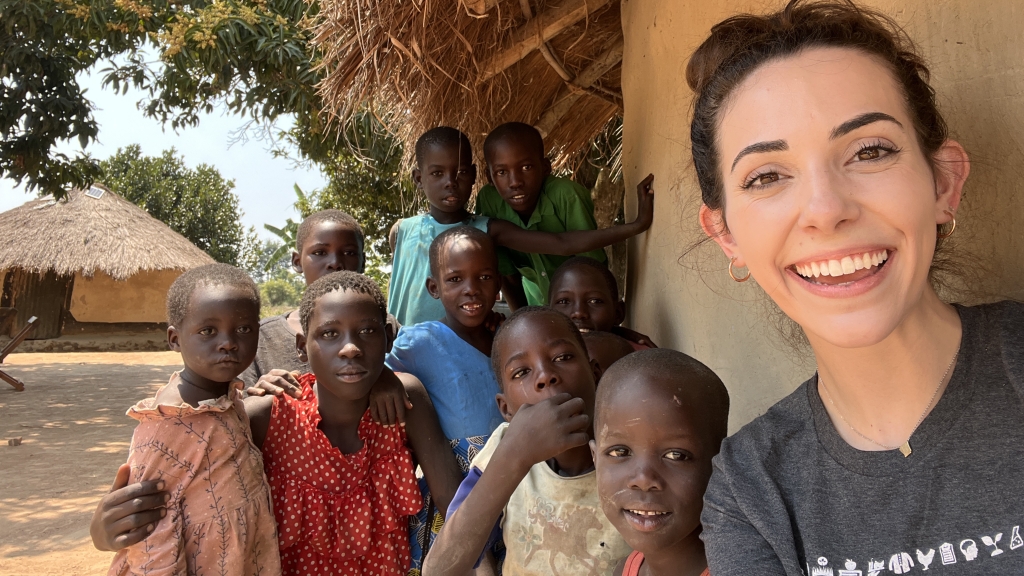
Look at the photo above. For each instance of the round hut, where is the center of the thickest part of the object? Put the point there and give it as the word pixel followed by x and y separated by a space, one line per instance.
pixel 91 265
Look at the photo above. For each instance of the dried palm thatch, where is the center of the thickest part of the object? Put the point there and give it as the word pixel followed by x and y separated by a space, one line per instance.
pixel 83 234
pixel 474 64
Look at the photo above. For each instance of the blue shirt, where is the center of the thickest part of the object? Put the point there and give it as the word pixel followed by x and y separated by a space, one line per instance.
pixel 408 299
pixel 457 376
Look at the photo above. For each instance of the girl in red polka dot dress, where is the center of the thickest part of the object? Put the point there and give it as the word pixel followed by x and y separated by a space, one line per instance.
pixel 343 485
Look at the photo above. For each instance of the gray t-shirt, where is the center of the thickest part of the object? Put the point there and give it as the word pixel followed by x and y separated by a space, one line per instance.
pixel 276 349
pixel 789 496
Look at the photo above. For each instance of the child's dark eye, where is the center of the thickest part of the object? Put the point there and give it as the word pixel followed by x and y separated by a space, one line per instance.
pixel 367 330
pixel 318 252
pixel 329 334
pixel 436 173
pixel 562 302
pixel 677 455
pixel 208 331
pixel 527 167
pixel 595 301
pixel 351 253
pixel 244 330
pixel 562 357
pixel 618 452
pixel 519 373
pixel 499 172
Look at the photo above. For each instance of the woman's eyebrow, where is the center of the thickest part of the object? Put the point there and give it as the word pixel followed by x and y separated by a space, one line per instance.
pixel 860 121
pixel 759 147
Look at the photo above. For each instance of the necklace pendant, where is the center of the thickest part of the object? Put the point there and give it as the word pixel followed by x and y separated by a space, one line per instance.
pixel 905 449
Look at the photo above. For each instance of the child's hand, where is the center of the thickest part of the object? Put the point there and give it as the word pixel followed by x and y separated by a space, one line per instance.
pixel 276 383
pixel 388 400
pixel 494 320
pixel 645 203
pixel 541 431
pixel 128 513
pixel 633 336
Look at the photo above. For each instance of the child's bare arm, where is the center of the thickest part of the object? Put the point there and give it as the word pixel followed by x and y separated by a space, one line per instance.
pixel 428 443
pixel 537 433
pixel 259 409
pixel 573 242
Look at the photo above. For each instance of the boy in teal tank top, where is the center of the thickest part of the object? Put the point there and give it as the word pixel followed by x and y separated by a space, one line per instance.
pixel 446 174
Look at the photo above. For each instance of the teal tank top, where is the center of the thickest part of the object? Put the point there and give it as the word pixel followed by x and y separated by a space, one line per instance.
pixel 408 299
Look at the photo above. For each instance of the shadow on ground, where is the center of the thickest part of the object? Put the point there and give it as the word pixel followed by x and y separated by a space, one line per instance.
pixel 74 435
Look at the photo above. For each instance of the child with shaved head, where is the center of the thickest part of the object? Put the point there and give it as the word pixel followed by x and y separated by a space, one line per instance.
pixel 660 418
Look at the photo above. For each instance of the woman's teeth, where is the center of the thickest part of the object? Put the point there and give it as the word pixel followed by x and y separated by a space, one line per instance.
pixel 843 266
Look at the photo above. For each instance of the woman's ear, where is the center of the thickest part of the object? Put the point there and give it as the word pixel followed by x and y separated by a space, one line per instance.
pixel 952 167
pixel 713 224
pixel 300 347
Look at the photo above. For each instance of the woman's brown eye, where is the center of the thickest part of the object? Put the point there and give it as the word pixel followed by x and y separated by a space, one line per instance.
pixel 868 154
pixel 766 179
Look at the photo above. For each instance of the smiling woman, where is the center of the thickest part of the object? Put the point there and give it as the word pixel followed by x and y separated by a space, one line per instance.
pixel 826 170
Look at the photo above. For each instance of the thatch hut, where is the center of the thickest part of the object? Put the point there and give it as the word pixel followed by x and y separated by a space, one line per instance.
pixel 92 263
pixel 474 64
pixel 434 62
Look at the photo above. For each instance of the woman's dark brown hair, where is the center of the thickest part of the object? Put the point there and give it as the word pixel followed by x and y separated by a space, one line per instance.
pixel 741 44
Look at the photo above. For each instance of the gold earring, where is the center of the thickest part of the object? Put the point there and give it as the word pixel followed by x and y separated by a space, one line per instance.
pixel 943 236
pixel 733 274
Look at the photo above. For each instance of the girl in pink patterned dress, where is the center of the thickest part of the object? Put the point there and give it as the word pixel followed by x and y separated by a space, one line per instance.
pixel 194 436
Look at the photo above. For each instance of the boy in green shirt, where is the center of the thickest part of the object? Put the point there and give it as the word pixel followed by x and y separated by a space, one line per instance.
pixel 523 191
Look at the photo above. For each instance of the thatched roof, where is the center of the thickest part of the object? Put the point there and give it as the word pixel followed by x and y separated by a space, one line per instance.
pixel 83 234
pixel 474 64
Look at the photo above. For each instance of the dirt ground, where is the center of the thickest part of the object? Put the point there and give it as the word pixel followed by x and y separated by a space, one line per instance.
pixel 75 434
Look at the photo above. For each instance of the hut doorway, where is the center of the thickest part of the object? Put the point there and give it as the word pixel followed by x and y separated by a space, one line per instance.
pixel 42 295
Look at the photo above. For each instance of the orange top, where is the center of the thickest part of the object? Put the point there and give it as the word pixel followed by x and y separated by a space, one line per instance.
pixel 636 559
pixel 219 518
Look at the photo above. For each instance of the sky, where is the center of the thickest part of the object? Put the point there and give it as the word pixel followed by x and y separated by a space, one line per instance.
pixel 263 183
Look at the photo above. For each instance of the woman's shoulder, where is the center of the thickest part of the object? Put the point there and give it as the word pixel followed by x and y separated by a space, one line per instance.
pixel 770 437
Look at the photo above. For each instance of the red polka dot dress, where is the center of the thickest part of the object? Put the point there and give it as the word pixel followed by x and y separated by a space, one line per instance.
pixel 338 513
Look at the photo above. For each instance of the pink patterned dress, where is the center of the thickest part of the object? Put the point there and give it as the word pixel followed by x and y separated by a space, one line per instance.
pixel 339 513
pixel 219 517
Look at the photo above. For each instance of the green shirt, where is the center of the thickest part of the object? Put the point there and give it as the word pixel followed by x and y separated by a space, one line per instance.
pixel 563 206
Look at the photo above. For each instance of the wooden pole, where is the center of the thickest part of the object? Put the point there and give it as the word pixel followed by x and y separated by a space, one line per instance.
pixel 572 92
pixel 531 35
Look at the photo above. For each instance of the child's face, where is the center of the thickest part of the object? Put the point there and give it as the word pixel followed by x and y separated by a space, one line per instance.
pixel 218 337
pixel 606 351
pixel 446 176
pixel 346 343
pixel 583 295
pixel 330 247
pixel 653 462
pixel 540 358
pixel 467 281
pixel 518 169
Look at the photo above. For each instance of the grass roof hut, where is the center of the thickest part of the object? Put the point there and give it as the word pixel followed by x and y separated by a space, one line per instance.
pixel 94 263
pixel 474 64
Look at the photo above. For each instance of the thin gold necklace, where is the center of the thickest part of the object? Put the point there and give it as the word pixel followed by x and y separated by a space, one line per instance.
pixel 905 447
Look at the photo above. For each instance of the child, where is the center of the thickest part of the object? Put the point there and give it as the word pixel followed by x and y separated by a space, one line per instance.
pixel 327 241
pixel 523 191
pixel 605 348
pixel 446 174
pixel 452 356
pixel 194 437
pixel 661 416
pixel 342 484
pixel 585 290
pixel 534 481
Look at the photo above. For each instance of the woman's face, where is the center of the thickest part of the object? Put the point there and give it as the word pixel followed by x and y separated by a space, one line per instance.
pixel 829 200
